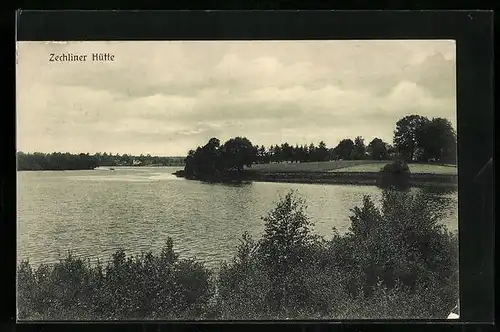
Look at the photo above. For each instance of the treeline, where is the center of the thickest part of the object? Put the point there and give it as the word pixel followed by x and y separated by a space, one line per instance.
pixel 239 152
pixel 67 161
pixel 416 139
pixel 396 261
pixel 347 149
pixel 215 158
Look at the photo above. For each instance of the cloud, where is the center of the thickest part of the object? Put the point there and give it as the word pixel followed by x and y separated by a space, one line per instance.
pixel 167 97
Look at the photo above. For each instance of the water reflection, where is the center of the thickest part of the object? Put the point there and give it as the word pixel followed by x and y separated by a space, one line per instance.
pixel 59 211
pixel 441 200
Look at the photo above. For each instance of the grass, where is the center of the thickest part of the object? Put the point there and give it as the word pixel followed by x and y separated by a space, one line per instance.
pixel 414 168
pixel 350 166
pixel 318 166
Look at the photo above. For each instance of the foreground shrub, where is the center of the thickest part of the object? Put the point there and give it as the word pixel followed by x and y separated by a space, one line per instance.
pixel 404 245
pixel 395 175
pixel 396 261
pixel 143 287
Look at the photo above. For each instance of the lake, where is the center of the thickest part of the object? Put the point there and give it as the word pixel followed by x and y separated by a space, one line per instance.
pixel 93 213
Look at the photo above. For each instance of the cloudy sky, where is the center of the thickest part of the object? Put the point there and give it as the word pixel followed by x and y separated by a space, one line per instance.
pixel 164 98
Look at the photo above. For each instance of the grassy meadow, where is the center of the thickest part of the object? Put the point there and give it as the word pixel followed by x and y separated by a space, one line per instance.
pixel 414 168
pixel 316 166
pixel 368 166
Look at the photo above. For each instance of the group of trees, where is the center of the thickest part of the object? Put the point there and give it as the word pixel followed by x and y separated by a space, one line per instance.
pixel 418 138
pixel 395 261
pixel 68 161
pixel 290 153
pixel 347 149
pixel 377 149
pixel 214 158
pixel 55 161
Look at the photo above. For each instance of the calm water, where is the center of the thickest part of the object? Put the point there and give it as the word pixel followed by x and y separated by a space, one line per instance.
pixel 94 213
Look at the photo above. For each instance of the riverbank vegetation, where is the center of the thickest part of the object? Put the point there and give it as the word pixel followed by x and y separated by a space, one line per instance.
pixel 353 166
pixel 396 261
pixel 417 139
pixel 66 161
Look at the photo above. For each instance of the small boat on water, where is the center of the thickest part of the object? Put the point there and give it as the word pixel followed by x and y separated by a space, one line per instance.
pixel 111 169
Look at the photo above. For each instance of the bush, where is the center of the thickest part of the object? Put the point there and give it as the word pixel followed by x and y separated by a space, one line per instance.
pixel 143 287
pixel 396 261
pixel 395 175
pixel 404 244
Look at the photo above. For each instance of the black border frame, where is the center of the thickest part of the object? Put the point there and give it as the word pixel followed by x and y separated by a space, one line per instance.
pixel 473 32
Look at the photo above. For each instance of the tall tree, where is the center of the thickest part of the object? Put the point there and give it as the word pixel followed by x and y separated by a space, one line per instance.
pixel 211 156
pixel 359 148
pixel 311 152
pixel 438 141
pixel 286 152
pixel 239 152
pixel 378 149
pixel 407 135
pixel 322 152
pixel 278 154
pixel 262 154
pixel 345 148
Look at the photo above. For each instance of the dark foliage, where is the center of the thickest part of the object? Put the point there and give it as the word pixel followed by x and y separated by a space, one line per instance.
pixel 345 149
pixel 214 159
pixel 396 261
pixel 55 161
pixel 359 150
pixel 417 138
pixel 378 149
pixel 395 174
pixel 66 161
pixel 144 287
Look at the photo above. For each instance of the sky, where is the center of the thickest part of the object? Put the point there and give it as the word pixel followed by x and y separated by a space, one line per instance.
pixel 165 98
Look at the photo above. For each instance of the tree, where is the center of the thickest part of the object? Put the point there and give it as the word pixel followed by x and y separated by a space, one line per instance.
pixel 239 152
pixel 404 241
pixel 438 141
pixel 332 154
pixel 286 150
pixel 378 149
pixel 322 152
pixel 262 154
pixel 359 148
pixel 278 154
pixel 311 152
pixel 302 153
pixel 345 148
pixel 211 156
pixel 189 162
pixel 295 153
pixel 55 161
pixel 287 237
pixel 408 134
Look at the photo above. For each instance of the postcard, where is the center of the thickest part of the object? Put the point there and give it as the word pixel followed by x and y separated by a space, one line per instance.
pixel 237 180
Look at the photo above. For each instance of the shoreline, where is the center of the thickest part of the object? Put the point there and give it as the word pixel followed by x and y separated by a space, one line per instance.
pixel 92 169
pixel 353 178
